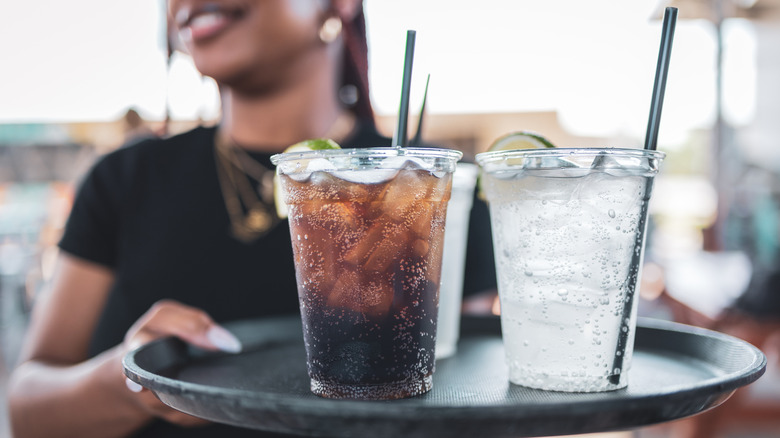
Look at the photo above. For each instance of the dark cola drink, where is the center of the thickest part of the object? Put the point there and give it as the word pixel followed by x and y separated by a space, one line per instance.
pixel 368 250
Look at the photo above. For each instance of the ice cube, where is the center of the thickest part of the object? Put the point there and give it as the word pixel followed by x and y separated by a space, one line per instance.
pixel 420 247
pixel 423 220
pixel 507 174
pixel 353 292
pixel 603 191
pixel 406 163
pixel 367 176
pixel 313 165
pixel 400 195
pixel 344 289
pixel 387 250
pixel 365 245
pixel 604 161
pixel 331 225
pixel 386 170
pixel 320 165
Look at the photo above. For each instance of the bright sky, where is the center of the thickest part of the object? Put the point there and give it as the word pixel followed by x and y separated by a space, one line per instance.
pixel 593 62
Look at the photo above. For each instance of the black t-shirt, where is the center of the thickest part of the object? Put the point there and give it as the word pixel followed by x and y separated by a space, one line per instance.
pixel 154 213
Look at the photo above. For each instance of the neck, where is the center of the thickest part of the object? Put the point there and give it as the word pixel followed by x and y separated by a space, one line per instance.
pixel 271 121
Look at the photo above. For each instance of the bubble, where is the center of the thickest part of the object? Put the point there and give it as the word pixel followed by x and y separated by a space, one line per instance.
pixel 611 213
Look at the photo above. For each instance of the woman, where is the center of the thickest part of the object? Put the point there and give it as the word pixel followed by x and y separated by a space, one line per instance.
pixel 169 237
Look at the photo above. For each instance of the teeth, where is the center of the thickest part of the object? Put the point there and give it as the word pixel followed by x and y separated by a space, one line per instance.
pixel 205 20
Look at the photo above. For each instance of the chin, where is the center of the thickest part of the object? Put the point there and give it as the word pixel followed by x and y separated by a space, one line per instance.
pixel 246 81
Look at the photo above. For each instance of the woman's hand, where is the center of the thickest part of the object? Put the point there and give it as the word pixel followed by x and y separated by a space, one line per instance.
pixel 89 397
pixel 171 318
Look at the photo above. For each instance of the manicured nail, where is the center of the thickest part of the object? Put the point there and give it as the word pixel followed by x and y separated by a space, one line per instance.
pixel 132 386
pixel 223 339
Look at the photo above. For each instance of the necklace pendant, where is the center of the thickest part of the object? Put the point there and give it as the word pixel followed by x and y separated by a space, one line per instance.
pixel 258 220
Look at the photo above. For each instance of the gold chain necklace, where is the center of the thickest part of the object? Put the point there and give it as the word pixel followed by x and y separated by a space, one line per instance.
pixel 252 212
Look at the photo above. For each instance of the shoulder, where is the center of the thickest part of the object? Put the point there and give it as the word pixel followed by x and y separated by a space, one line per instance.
pixel 154 152
pixel 160 147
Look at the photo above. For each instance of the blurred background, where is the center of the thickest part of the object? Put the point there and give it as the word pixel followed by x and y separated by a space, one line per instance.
pixel 81 78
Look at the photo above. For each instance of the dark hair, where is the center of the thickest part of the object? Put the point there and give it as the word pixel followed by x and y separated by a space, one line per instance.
pixel 355 67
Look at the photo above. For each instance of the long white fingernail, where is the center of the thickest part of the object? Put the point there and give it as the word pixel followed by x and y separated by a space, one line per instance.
pixel 223 339
pixel 132 386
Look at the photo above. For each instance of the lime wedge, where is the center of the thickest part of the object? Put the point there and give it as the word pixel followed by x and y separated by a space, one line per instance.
pixel 316 144
pixel 514 141
pixel 520 140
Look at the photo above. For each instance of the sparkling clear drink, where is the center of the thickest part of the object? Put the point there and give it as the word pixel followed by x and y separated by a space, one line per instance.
pixel 367 228
pixel 568 228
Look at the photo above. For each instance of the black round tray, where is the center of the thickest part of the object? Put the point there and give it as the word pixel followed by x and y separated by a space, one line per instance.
pixel 677 371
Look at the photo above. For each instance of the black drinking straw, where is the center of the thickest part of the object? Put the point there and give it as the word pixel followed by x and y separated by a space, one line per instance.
pixel 661 70
pixel 417 140
pixel 400 136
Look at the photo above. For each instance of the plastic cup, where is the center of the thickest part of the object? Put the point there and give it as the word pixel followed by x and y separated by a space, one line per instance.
pixel 367 228
pixel 569 230
pixel 454 260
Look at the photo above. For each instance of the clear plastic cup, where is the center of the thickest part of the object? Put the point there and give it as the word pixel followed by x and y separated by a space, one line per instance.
pixel 367 228
pixel 569 230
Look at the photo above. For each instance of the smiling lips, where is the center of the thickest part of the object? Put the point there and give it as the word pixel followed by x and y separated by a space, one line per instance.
pixel 206 22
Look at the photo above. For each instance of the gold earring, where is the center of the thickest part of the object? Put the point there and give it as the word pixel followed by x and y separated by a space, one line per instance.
pixel 330 30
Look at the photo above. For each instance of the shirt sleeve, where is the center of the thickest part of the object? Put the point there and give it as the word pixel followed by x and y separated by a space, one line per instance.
pixel 92 229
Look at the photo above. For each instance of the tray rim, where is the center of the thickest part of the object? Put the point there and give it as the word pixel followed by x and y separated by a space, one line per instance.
pixel 416 409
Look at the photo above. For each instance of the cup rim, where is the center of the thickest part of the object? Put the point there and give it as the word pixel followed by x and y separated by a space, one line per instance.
pixel 378 152
pixel 492 156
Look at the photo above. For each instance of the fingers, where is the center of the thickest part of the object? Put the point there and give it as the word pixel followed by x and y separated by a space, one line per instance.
pixel 171 318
